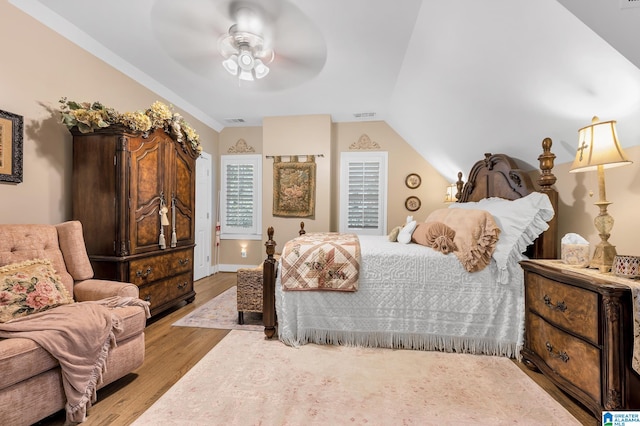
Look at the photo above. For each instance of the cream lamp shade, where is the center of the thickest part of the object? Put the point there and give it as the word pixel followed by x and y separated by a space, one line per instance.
pixel 598 146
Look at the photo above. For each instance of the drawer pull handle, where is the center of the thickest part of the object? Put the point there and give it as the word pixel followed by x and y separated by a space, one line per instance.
pixel 562 355
pixel 145 273
pixel 184 261
pixel 147 298
pixel 560 306
pixel 182 285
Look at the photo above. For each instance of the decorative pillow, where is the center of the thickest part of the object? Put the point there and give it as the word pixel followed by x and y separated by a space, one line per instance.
pixel 404 236
pixel 476 235
pixel 521 222
pixel 393 235
pixel 30 287
pixel 436 235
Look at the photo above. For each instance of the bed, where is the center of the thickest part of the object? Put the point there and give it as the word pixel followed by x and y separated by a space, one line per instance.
pixel 411 296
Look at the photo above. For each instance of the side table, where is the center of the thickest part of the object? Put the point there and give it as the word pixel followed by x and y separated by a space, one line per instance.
pixel 579 333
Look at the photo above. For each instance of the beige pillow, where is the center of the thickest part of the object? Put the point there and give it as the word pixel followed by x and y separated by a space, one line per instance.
pixel 436 235
pixel 30 287
pixel 393 235
pixel 476 235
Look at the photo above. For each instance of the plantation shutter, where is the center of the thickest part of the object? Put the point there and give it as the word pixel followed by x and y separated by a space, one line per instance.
pixel 364 196
pixel 239 198
pixel 363 193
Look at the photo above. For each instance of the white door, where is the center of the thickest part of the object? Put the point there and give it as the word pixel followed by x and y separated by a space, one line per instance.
pixel 204 208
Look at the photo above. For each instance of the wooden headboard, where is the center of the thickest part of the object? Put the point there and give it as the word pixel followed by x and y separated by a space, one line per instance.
pixel 499 176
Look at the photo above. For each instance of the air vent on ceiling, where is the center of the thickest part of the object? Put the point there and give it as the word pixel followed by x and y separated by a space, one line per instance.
pixel 234 120
pixel 364 115
pixel 627 4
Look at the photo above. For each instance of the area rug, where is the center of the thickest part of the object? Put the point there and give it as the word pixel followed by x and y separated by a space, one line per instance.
pixel 221 312
pixel 248 380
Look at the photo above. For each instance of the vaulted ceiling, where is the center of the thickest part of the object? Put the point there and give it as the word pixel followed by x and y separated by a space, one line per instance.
pixel 454 78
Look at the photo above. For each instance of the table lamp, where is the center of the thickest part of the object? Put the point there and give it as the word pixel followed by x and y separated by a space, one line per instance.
pixel 450 196
pixel 599 149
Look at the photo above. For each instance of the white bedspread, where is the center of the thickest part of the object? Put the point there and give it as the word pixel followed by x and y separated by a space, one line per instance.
pixel 411 296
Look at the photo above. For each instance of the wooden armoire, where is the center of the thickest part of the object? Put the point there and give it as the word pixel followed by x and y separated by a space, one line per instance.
pixel 122 182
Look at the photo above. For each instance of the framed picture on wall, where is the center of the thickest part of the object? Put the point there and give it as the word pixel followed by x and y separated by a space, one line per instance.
pixel 11 133
pixel 413 180
pixel 412 203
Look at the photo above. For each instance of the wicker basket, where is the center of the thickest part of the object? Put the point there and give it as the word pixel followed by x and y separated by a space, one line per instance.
pixel 249 283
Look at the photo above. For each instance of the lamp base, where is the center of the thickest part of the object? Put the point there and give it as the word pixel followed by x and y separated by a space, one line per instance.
pixel 603 257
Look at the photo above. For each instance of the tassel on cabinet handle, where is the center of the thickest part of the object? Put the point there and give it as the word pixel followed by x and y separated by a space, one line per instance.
pixel 164 221
pixel 174 237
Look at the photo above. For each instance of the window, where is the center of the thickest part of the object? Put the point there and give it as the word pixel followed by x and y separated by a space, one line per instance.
pixel 240 197
pixel 363 193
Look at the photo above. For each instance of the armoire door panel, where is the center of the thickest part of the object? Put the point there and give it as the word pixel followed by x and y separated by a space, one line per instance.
pixel 183 187
pixel 95 180
pixel 147 194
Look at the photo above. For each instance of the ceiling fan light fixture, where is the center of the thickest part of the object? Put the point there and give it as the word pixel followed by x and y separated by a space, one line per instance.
pixel 231 64
pixel 246 56
pixel 245 75
pixel 246 61
pixel 260 70
pixel 245 66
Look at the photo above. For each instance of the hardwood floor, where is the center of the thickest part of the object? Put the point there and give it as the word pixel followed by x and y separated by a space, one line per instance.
pixel 172 351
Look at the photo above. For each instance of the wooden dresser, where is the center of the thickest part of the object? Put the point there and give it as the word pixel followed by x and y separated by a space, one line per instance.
pixel 121 181
pixel 579 333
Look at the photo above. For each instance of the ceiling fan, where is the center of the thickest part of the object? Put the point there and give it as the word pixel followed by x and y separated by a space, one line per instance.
pixel 246 46
pixel 261 44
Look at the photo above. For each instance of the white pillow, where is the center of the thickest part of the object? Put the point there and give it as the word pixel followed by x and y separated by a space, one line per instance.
pixel 521 222
pixel 404 236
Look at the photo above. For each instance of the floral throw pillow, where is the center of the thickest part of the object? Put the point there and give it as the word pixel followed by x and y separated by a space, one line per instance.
pixel 30 287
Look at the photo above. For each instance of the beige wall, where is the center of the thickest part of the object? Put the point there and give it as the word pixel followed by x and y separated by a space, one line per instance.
pixel 298 135
pixel 38 68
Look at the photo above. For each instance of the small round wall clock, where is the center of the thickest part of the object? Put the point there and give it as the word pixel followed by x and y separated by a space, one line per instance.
pixel 413 181
pixel 412 203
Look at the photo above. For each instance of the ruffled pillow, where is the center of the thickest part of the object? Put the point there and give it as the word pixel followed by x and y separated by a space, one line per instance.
pixel 30 287
pixel 476 235
pixel 436 235
pixel 521 222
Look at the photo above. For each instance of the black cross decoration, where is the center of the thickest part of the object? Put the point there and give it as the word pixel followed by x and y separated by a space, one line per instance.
pixel 581 148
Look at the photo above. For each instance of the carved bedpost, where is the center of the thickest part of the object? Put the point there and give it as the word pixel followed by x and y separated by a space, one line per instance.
pixel 548 247
pixel 459 186
pixel 269 287
pixel 547 178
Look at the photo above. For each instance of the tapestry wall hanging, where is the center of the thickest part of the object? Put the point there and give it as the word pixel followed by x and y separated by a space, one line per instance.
pixel 294 187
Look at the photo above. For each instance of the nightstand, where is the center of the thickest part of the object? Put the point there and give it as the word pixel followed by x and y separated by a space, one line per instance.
pixel 579 333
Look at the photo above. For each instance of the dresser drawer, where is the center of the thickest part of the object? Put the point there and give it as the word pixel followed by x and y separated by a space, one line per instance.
pixel 148 269
pixel 570 357
pixel 160 292
pixel 572 308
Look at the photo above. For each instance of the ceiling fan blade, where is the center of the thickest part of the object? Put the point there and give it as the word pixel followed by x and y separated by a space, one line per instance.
pixel 178 27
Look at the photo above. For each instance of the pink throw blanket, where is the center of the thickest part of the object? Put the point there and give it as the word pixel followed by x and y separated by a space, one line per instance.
pixel 321 261
pixel 79 336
